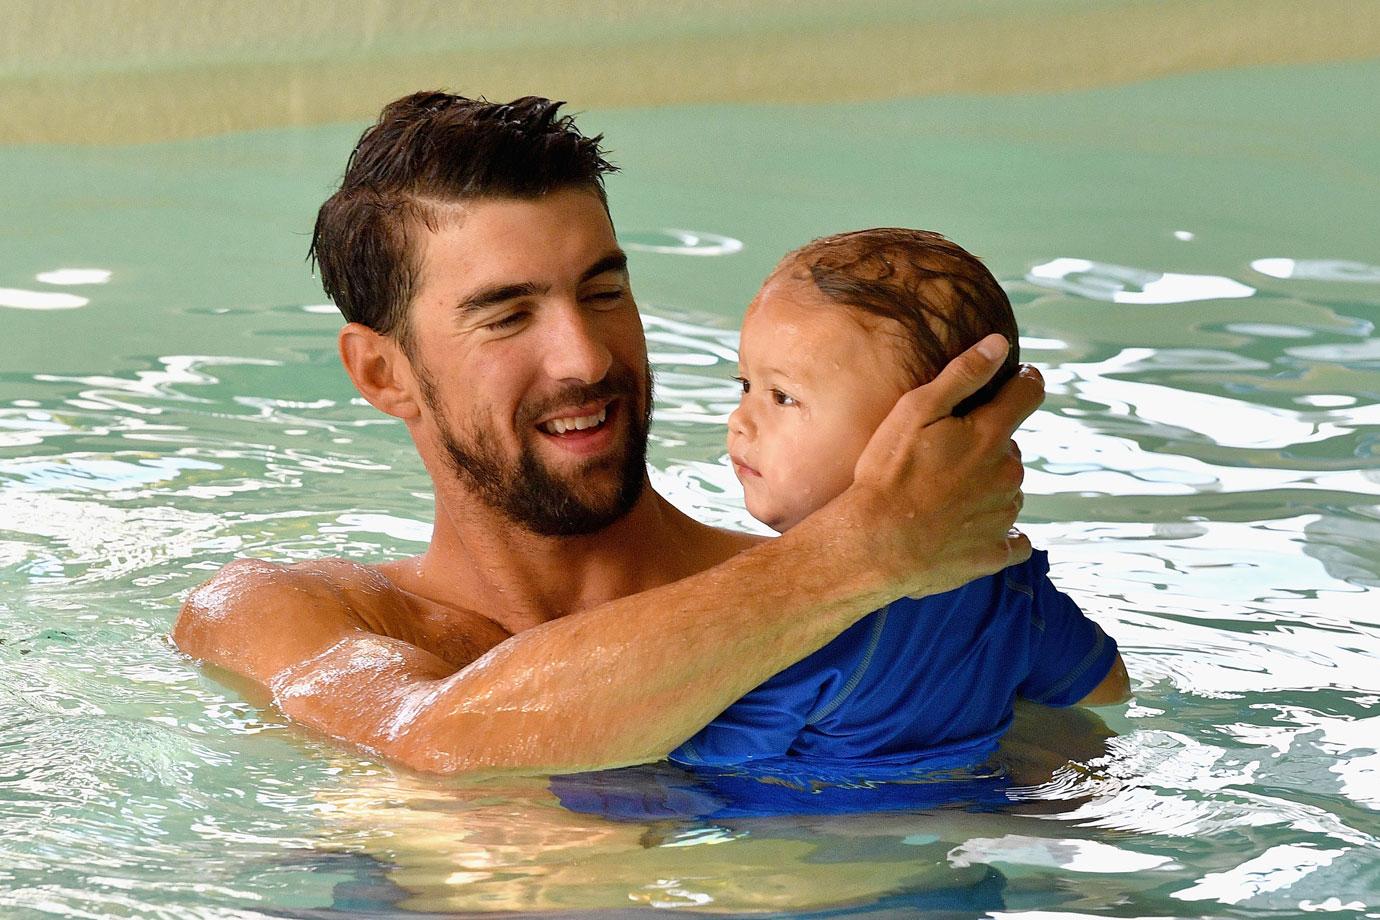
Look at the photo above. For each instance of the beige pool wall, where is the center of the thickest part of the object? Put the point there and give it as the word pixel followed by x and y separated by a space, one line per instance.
pixel 129 71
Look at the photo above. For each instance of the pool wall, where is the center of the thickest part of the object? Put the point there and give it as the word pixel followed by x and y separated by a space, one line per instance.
pixel 150 70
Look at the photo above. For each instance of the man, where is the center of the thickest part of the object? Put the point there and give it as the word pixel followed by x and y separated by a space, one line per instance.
pixel 565 616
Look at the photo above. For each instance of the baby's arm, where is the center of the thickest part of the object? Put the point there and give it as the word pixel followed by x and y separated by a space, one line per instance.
pixel 1072 661
pixel 1114 688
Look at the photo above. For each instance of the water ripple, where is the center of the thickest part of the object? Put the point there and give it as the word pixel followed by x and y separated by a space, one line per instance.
pixel 1318 270
pixel 1127 285
pixel 1213 512
pixel 670 241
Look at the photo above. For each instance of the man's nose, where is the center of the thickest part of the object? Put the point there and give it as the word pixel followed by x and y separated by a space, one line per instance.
pixel 577 348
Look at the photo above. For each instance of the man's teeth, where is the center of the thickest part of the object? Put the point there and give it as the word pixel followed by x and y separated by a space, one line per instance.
pixel 575 423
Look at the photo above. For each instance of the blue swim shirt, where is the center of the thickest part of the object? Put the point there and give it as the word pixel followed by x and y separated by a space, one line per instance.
pixel 925 683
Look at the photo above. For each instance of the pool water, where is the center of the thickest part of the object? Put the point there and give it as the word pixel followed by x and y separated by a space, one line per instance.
pixel 1195 265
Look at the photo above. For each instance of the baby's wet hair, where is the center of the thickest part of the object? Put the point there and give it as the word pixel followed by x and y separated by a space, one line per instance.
pixel 942 296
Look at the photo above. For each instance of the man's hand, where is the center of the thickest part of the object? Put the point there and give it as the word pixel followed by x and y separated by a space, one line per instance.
pixel 345 650
pixel 935 497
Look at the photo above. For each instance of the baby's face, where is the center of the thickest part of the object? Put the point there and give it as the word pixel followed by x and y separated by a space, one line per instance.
pixel 817 378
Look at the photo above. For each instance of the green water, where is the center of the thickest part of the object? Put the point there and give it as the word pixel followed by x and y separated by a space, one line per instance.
pixel 1195 264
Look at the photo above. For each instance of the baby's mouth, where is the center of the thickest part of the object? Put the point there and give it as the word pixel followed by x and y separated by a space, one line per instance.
pixel 742 469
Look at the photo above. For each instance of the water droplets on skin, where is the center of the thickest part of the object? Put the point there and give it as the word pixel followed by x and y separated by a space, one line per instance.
pixel 1231 656
pixel 1203 474
pixel 1168 589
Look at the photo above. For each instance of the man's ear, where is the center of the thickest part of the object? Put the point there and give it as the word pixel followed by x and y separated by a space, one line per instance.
pixel 380 370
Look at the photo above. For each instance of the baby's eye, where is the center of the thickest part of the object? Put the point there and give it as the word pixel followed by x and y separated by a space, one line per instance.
pixel 782 398
pixel 743 382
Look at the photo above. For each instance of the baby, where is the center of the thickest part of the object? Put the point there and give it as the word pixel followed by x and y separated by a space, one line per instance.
pixel 840 330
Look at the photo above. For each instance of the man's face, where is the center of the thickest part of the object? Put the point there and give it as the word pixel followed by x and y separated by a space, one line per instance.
pixel 530 354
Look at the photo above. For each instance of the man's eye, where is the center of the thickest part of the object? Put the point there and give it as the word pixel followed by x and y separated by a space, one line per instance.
pixel 782 399
pixel 743 382
pixel 607 296
pixel 507 321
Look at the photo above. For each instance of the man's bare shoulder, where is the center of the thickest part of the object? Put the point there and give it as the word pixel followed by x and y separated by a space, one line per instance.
pixel 256 617
pixel 241 613
pixel 258 582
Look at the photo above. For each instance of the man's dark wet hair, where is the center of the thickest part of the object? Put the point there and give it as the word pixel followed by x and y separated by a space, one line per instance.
pixel 942 296
pixel 427 151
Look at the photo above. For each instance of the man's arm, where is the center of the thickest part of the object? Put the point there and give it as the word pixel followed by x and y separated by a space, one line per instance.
pixel 931 508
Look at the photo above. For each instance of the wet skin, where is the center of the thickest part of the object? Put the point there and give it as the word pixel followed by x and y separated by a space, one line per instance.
pixel 505 648
pixel 817 379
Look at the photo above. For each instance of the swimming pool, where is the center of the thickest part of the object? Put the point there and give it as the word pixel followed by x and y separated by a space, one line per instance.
pixel 1195 266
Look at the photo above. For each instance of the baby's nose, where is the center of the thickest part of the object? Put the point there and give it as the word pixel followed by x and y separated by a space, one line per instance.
pixel 738 423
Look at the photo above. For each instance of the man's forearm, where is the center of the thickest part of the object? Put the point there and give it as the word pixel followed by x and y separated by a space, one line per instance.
pixel 930 509
pixel 628 681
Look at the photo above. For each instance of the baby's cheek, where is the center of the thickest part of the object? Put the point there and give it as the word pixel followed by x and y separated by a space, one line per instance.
pixel 762 503
pixel 821 470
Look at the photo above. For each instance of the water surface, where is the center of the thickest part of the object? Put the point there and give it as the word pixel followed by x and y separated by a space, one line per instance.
pixel 1194 265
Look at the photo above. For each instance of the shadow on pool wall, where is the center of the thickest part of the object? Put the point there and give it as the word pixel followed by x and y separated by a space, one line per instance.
pixel 151 70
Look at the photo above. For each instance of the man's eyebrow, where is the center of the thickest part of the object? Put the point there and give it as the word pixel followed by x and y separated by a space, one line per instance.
pixel 613 262
pixel 499 293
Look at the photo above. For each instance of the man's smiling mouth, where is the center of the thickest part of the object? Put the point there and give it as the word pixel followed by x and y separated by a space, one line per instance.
pixel 569 423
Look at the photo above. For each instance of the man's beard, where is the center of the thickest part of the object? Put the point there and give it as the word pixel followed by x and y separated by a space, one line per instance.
pixel 531 494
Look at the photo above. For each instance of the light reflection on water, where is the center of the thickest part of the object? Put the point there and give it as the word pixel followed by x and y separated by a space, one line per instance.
pixel 1244 773
pixel 1203 473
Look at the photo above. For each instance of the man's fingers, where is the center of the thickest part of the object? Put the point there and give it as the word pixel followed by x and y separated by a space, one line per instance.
pixel 1017 547
pixel 960 378
pixel 1014 403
